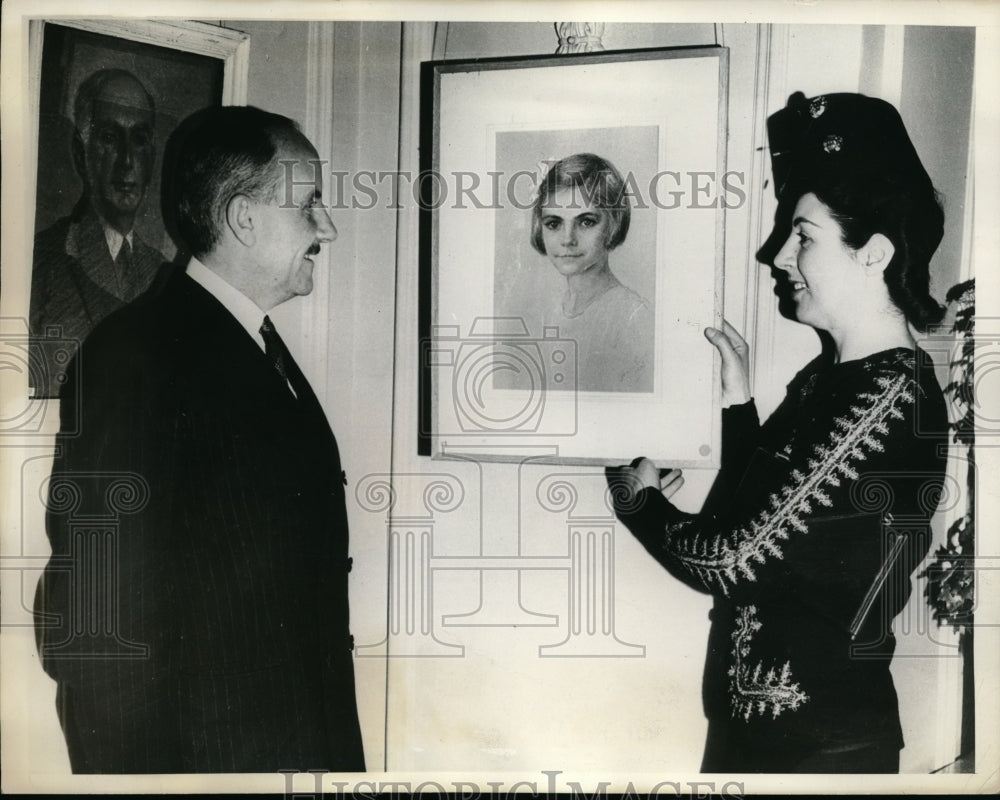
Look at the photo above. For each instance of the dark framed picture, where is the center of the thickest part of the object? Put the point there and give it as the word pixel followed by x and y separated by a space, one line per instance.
pixel 571 238
pixel 108 93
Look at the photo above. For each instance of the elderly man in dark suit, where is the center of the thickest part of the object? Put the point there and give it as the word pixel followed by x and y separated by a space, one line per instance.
pixel 195 608
pixel 92 262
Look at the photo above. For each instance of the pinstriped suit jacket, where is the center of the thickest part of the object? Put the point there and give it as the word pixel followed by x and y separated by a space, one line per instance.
pixel 203 627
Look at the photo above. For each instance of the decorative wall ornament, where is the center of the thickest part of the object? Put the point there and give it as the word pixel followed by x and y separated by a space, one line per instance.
pixel 579 37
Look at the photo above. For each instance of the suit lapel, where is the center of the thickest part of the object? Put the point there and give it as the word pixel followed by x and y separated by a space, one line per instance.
pixel 87 238
pixel 311 411
pixel 241 366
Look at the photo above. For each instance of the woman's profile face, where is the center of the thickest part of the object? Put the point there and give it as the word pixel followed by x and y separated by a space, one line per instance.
pixel 574 234
pixel 825 274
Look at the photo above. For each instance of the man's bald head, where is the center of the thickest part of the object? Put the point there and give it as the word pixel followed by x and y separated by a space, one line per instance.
pixel 116 86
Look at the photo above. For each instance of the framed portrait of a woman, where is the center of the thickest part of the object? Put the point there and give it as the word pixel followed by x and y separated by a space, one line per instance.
pixel 571 254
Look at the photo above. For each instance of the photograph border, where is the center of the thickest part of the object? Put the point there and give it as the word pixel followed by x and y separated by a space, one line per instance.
pixel 776 20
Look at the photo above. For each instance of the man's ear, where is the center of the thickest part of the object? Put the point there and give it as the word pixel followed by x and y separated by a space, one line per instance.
pixel 239 218
pixel 876 253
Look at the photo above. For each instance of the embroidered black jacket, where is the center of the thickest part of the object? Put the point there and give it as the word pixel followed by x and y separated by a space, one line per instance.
pixel 807 542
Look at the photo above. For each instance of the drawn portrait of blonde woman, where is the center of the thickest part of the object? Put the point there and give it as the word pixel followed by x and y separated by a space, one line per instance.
pixel 580 215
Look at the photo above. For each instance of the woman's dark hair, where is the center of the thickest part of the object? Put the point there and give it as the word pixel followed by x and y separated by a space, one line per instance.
pixel 854 153
pixel 600 184
pixel 903 208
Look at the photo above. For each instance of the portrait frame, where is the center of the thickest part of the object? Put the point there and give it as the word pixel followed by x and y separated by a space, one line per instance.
pixel 498 381
pixel 157 52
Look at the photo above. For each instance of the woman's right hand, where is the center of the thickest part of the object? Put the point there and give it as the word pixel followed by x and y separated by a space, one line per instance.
pixel 735 364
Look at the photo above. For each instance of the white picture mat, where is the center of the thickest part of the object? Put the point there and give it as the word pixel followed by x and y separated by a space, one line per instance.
pixel 657 93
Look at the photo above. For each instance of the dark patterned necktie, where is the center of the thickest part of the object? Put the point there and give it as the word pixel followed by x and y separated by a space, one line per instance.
pixel 274 348
pixel 124 271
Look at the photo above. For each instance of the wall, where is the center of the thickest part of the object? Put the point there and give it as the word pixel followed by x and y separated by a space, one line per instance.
pixel 933 58
pixel 501 695
pixel 927 657
pixel 475 680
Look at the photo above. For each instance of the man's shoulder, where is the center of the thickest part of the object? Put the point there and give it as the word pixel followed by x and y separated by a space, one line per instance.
pixel 77 238
pixel 51 241
pixel 57 228
pixel 133 327
pixel 148 321
pixel 175 312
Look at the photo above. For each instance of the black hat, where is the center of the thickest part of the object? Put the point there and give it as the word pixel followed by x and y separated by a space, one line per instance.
pixel 836 134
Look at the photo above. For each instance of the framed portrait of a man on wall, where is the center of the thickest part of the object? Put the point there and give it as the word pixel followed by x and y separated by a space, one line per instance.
pixel 108 94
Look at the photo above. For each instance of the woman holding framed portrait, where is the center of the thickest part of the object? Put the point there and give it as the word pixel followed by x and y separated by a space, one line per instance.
pixel 802 540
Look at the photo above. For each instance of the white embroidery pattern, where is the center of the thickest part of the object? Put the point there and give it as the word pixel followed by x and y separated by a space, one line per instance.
pixel 751 692
pixel 725 558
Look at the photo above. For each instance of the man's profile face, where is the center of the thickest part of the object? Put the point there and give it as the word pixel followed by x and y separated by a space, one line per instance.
pixel 119 152
pixel 294 224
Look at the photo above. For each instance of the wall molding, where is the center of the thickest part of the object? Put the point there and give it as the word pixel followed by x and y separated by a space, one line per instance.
pixel 891 89
pixel 761 307
pixel 318 127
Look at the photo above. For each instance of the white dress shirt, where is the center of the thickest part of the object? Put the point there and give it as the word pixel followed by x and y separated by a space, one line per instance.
pixel 114 239
pixel 246 311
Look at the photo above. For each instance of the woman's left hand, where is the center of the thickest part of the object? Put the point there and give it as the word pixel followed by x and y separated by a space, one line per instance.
pixel 643 473
pixel 735 363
